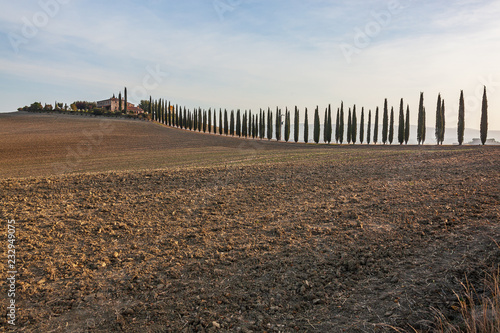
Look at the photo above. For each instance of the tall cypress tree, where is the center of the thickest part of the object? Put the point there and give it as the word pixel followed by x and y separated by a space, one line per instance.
pixel 262 124
pixel 316 125
pixel 250 123
pixel 341 123
pixel 231 123
pixel 278 124
pixel 226 123
pixel 325 127
pixel 461 119
pixel 484 118
pixel 369 127
pixel 354 124
pixel 391 126
pixel 238 123
pixel 287 125
pixel 220 122
pixel 362 126
pixel 401 123
pixel 209 120
pixel 349 127
pixel 120 101
pixel 385 123
pixel 375 128
pixel 407 124
pixel 200 119
pixel 437 130
pixel 337 126
pixel 421 120
pixel 269 124
pixel 306 128
pixel 125 107
pixel 296 125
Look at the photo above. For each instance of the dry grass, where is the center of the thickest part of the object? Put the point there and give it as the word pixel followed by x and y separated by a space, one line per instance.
pixel 480 311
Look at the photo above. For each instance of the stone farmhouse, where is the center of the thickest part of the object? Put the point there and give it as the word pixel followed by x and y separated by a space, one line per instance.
pixel 113 104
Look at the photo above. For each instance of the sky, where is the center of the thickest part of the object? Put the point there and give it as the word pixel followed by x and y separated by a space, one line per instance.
pixel 251 54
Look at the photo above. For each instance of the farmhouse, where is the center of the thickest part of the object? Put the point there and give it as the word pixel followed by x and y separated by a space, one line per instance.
pixel 113 105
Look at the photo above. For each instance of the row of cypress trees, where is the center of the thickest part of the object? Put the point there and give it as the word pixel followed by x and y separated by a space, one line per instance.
pixel 246 124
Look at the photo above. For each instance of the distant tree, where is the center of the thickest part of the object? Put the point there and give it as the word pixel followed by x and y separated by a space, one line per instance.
pixel 185 118
pixel 200 119
pixel 329 125
pixel 354 125
pixel 375 128
pixel 250 123
pixel 287 125
pixel 306 128
pixel 238 123
pixel 407 124
pixel 341 123
pixel 231 123
pixel 209 121
pixel 204 121
pixel 484 118
pixel 278 124
pixel 226 123
pixel 391 126
pixel 125 108
pixel 437 131
pixel 385 123
pixel 421 120
pixel 337 126
pixel 150 106
pixel 120 101
pixel 262 130
pixel 220 122
pixel 461 119
pixel 369 127
pixel 296 125
pixel 349 126
pixel 362 126
pixel 401 123
pixel 316 125
pixel 325 127
pixel 194 120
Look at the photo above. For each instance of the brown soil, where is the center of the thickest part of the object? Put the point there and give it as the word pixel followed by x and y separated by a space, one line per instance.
pixel 290 238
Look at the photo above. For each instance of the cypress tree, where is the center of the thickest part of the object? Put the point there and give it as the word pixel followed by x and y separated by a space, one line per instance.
pixel 420 123
pixel 254 126
pixel 437 130
pixel 329 125
pixel 150 106
pixel 349 127
pixel 296 125
pixel 337 127
pixel 185 119
pixel 325 127
pixel 262 125
pixel 391 126
pixel 125 106
pixel 238 123
pixel 461 119
pixel 120 101
pixel 375 128
pixel 423 127
pixel 354 124
pixel 341 123
pixel 287 125
pixel 200 120
pixel 278 124
pixel 401 124
pixel 484 118
pixel 231 123
pixel 226 123
pixel 220 122
pixel 407 124
pixel 369 127
pixel 209 121
pixel 362 126
pixel 269 124
pixel 306 128
pixel 194 120
pixel 250 123
pixel 316 125
pixel 180 117
pixel 385 123
pixel 244 124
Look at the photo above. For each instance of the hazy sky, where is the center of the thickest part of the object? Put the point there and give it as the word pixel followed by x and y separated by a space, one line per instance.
pixel 250 54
